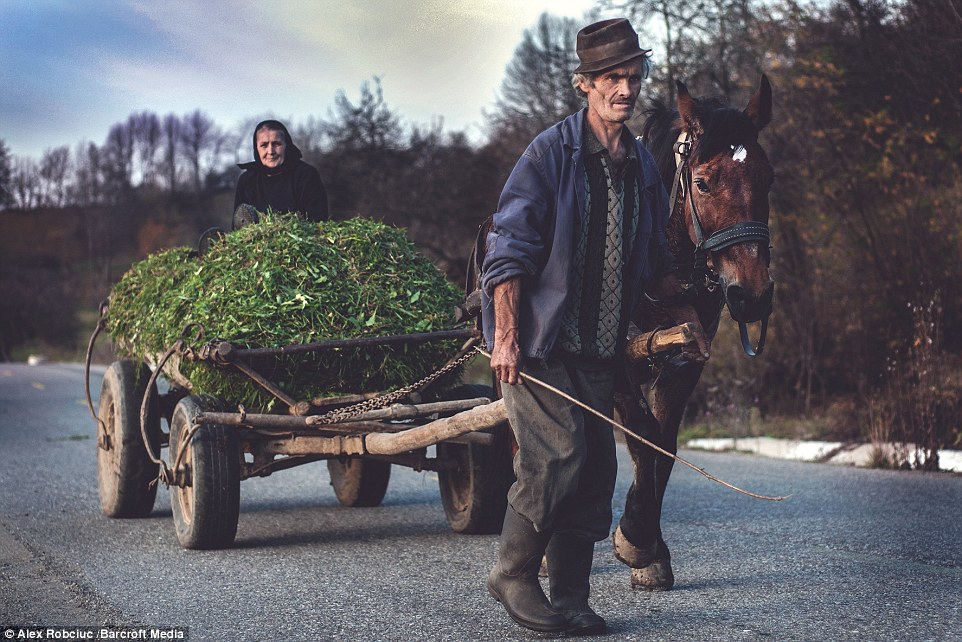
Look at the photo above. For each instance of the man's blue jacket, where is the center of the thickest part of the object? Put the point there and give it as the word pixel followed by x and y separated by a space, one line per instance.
pixel 535 229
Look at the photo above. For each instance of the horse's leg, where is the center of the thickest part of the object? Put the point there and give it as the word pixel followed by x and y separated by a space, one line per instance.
pixel 638 539
pixel 635 539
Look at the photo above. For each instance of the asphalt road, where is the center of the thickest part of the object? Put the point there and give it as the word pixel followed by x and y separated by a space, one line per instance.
pixel 852 555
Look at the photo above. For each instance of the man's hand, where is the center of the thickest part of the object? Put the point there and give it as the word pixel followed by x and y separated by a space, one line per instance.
pixel 701 349
pixel 506 360
pixel 506 354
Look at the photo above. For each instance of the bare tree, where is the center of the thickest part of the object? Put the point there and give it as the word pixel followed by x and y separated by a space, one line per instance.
pixel 713 45
pixel 201 140
pixel 117 161
pixel 6 176
pixel 25 184
pixel 53 172
pixel 170 152
pixel 309 135
pixel 88 184
pixel 146 129
pixel 536 91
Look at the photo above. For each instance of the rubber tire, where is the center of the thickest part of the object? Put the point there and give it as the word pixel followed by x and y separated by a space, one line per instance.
pixel 125 472
pixel 205 512
pixel 359 482
pixel 475 494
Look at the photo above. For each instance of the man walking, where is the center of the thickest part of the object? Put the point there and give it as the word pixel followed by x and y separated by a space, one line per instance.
pixel 579 234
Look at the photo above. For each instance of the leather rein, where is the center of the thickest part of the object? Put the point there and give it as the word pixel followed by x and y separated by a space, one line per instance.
pixel 735 234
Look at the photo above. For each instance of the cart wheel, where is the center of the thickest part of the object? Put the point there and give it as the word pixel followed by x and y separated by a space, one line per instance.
pixel 206 510
pixel 359 482
pixel 125 471
pixel 475 494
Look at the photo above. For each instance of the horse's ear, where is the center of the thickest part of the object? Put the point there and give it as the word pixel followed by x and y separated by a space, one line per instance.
pixel 687 109
pixel 759 109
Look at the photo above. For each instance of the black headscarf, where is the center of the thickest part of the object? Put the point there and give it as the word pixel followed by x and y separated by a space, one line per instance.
pixel 291 152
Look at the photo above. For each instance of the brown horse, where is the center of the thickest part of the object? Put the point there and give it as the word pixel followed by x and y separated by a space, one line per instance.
pixel 719 178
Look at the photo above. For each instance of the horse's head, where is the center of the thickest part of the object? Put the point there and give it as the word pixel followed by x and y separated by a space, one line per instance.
pixel 727 183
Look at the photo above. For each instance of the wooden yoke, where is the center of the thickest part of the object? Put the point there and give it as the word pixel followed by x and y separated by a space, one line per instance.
pixel 648 344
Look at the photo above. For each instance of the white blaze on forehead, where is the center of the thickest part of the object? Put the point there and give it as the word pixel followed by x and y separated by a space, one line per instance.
pixel 739 153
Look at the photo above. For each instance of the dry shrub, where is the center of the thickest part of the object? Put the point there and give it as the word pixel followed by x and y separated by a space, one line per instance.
pixel 917 409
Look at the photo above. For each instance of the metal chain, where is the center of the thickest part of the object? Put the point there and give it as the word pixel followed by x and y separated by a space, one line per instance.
pixel 349 412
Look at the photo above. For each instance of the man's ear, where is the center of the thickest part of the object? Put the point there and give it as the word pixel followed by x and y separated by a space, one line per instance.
pixel 588 82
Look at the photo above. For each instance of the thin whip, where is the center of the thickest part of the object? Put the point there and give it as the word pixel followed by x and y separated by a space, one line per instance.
pixel 646 442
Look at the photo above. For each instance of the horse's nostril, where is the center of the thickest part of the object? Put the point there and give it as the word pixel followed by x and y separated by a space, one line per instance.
pixel 745 307
pixel 735 295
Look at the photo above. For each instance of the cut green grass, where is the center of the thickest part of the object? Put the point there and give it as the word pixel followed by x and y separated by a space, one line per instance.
pixel 283 282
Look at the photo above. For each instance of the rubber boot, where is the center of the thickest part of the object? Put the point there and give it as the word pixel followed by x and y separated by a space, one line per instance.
pixel 514 579
pixel 569 565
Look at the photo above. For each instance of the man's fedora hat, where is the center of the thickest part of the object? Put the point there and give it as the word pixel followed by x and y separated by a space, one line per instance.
pixel 607 44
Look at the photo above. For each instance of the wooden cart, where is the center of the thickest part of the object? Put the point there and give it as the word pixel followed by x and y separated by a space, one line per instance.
pixel 212 444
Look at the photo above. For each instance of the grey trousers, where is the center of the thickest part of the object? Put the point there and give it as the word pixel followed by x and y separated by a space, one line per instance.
pixel 566 463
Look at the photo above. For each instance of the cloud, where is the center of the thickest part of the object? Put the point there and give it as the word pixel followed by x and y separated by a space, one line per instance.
pixel 77 69
pixel 435 58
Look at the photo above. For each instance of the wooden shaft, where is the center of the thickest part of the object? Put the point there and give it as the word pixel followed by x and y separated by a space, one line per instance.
pixel 478 418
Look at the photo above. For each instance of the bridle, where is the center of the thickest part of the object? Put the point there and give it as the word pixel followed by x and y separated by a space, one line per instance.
pixel 735 234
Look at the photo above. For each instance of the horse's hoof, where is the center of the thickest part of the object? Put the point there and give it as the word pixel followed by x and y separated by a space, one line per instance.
pixel 657 576
pixel 632 555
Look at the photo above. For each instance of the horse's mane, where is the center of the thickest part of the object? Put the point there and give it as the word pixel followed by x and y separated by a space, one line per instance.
pixel 659 134
pixel 723 125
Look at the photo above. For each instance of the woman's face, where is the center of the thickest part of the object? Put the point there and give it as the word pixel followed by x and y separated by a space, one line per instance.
pixel 271 147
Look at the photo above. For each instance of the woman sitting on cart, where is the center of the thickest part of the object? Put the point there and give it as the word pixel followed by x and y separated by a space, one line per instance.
pixel 278 179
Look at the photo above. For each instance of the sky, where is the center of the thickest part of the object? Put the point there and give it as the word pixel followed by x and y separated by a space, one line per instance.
pixel 69 69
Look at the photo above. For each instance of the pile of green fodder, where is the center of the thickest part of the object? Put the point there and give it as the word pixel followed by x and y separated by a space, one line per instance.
pixel 282 282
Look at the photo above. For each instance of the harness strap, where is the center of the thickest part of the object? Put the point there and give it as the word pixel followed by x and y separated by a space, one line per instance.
pixel 683 149
pixel 743 232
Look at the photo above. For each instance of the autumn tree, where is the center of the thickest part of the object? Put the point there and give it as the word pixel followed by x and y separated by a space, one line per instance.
pixel 714 46
pixel 867 142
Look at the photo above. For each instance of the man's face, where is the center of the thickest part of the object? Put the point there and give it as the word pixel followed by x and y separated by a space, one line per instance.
pixel 612 93
pixel 270 147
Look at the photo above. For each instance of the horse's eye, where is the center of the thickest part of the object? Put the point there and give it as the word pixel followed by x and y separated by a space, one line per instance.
pixel 702 185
